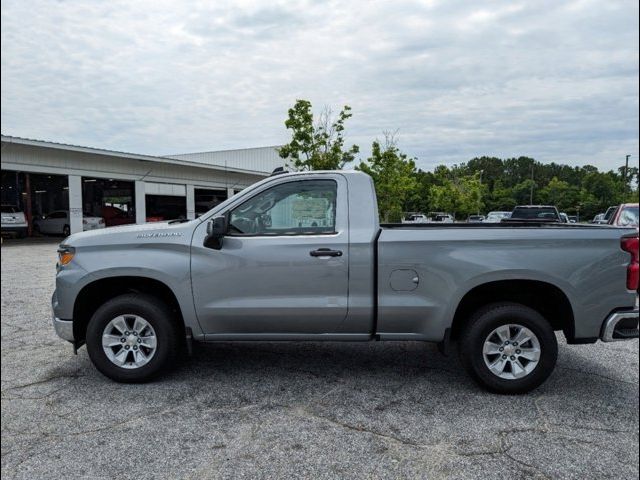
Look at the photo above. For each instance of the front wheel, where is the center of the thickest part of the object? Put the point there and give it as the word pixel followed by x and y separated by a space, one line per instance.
pixel 132 338
pixel 509 348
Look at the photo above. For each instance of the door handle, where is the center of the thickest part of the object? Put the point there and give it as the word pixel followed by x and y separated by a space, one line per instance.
pixel 325 252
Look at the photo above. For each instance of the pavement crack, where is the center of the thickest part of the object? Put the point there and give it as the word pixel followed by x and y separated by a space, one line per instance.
pixel 75 374
pixel 362 429
pixel 599 375
pixel 594 429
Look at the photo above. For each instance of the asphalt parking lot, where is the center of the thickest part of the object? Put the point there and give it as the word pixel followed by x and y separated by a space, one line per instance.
pixel 276 410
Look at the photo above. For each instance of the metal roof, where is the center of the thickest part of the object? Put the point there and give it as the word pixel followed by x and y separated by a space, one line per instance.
pixel 257 159
pixel 177 160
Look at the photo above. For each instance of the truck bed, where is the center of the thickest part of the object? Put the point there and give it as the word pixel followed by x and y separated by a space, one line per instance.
pixel 425 270
pixel 497 225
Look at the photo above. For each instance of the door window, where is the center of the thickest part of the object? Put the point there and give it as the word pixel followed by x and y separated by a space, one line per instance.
pixel 296 208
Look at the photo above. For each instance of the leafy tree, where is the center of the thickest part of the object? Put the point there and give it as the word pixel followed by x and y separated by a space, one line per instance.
pixel 471 195
pixel 501 198
pixel 394 177
pixel 521 192
pixel 445 197
pixel 320 145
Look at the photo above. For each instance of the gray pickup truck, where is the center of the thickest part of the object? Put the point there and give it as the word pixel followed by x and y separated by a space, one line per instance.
pixel 302 256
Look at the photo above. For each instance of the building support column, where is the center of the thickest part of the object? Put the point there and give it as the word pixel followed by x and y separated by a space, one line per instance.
pixel 191 202
pixel 75 203
pixel 230 192
pixel 28 211
pixel 141 202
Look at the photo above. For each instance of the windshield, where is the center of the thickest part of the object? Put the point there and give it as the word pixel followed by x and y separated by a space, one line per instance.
pixel 629 216
pixel 609 212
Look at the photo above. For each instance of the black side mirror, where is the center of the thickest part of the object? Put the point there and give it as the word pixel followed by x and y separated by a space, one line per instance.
pixel 217 228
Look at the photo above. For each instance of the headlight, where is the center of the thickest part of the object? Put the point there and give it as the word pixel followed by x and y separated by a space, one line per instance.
pixel 65 254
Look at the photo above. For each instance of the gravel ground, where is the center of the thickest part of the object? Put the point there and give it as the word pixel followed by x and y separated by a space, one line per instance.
pixel 274 410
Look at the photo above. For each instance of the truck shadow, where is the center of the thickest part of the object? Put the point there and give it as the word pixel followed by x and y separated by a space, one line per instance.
pixel 382 363
pixel 283 372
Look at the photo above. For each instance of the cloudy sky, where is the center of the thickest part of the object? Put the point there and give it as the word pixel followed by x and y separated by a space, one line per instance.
pixel 554 80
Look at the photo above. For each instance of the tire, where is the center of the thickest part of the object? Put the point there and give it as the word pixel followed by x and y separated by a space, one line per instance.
pixel 132 306
pixel 66 230
pixel 482 340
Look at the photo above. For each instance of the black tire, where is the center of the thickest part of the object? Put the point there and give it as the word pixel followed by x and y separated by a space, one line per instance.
pixel 487 319
pixel 66 230
pixel 157 314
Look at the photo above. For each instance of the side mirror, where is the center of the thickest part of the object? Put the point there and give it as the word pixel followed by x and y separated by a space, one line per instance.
pixel 216 229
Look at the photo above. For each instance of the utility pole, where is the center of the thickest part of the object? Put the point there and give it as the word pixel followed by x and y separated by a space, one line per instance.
pixel 481 172
pixel 531 191
pixel 626 168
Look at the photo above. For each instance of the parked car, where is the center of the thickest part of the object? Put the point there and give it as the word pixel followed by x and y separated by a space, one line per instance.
pixel 626 215
pixel 599 218
pixel 302 257
pixel 440 217
pixel 496 217
pixel 534 213
pixel 564 218
pixel 415 218
pixel 14 221
pixel 573 219
pixel 475 219
pixel 58 223
pixel 114 216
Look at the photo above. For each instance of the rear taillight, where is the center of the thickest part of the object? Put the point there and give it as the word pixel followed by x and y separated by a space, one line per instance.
pixel 630 244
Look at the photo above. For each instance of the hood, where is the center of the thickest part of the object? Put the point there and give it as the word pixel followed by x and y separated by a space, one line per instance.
pixel 128 234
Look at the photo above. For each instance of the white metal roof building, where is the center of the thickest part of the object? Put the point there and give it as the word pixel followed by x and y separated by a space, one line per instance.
pixel 258 159
pixel 137 177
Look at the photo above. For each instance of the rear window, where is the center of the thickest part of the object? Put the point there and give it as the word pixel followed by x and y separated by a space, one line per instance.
pixel 8 209
pixel 535 213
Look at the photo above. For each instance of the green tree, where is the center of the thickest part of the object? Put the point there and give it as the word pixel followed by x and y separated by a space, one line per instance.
pixel 394 177
pixel 445 197
pixel 501 198
pixel 472 192
pixel 320 145
pixel 460 196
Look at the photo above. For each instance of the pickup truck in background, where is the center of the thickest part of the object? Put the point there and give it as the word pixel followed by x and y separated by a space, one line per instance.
pixel 302 257
pixel 534 213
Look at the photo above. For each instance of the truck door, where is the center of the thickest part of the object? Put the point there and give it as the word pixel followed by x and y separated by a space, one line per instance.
pixel 283 267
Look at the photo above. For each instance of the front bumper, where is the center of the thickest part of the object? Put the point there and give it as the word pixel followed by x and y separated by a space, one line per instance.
pixel 622 325
pixel 63 328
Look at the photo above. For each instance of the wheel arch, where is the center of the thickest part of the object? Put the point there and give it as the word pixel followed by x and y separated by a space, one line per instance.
pixel 96 293
pixel 546 298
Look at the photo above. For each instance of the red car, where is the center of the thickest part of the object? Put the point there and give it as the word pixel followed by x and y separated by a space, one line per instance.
pixel 115 216
pixel 626 215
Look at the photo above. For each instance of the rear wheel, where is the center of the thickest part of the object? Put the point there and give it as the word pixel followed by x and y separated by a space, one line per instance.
pixel 132 338
pixel 509 348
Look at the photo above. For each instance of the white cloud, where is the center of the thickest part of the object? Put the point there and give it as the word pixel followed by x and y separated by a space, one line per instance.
pixel 554 80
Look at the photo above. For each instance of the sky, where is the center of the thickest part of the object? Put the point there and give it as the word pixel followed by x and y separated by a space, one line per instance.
pixel 553 80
